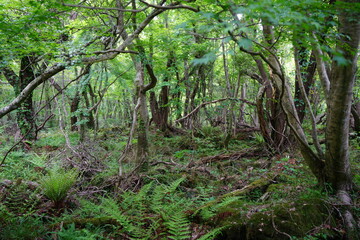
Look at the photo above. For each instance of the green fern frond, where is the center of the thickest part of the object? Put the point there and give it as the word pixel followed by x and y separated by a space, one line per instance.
pixel 179 226
pixel 111 208
pixel 157 199
pixel 210 211
pixel 213 233
pixel 226 201
pixel 174 185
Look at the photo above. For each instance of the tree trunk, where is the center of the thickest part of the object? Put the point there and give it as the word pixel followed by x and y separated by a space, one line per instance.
pixel 307 72
pixel 74 106
pixel 355 111
pixel 143 119
pixel 338 115
pixel 25 111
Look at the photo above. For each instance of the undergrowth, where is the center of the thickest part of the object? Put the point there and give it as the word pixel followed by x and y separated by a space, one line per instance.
pixel 176 199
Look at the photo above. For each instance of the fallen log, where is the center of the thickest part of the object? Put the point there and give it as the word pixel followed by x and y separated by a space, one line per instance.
pixel 233 156
pixel 260 183
pixel 82 222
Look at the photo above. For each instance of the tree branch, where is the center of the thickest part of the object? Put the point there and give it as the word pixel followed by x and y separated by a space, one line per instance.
pixel 88 60
pixel 174 5
pixel 211 102
pixel 153 78
pixel 14 104
pixel 115 50
pixel 105 8
pixel 307 102
pixel 10 75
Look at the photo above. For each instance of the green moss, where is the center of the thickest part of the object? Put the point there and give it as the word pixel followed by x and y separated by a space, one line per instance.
pixel 295 219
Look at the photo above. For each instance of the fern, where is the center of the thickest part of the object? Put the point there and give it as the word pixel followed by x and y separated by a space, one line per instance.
pixel 212 234
pixel 158 211
pixel 57 184
pixel 179 226
pixel 210 211
pixel 111 208
pixel 174 185
pixel 162 193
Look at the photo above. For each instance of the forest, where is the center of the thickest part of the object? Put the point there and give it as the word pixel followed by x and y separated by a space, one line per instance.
pixel 179 119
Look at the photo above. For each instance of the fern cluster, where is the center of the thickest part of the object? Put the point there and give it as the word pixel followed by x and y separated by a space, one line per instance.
pixel 212 208
pixel 157 211
pixel 57 184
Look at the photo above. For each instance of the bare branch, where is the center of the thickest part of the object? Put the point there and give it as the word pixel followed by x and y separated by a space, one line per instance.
pixel 153 78
pixel 105 8
pixel 115 50
pixel 174 5
pixel 211 102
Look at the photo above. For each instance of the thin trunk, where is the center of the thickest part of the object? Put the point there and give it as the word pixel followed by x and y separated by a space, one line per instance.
pixel 355 111
pixel 230 94
pixel 74 106
pixel 307 68
pixel 143 120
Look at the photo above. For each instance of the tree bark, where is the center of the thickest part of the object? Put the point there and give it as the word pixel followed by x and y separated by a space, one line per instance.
pixel 307 72
pixel 338 114
pixel 25 110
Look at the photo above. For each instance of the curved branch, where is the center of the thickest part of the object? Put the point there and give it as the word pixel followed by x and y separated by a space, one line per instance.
pixel 153 79
pixel 14 104
pixel 174 5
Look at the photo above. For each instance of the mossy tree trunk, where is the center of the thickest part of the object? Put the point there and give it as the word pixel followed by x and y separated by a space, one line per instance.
pixel 25 112
pixel 307 71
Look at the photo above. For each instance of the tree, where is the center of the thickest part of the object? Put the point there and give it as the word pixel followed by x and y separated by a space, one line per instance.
pixel 333 166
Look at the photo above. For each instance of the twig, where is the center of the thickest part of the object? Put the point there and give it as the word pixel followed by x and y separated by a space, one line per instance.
pixel 43 124
pixel 273 223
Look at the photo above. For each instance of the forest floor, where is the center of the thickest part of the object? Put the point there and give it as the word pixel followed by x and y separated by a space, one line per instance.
pixel 193 188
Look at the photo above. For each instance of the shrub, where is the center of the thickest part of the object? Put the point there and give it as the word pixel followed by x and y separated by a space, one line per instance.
pixel 57 184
